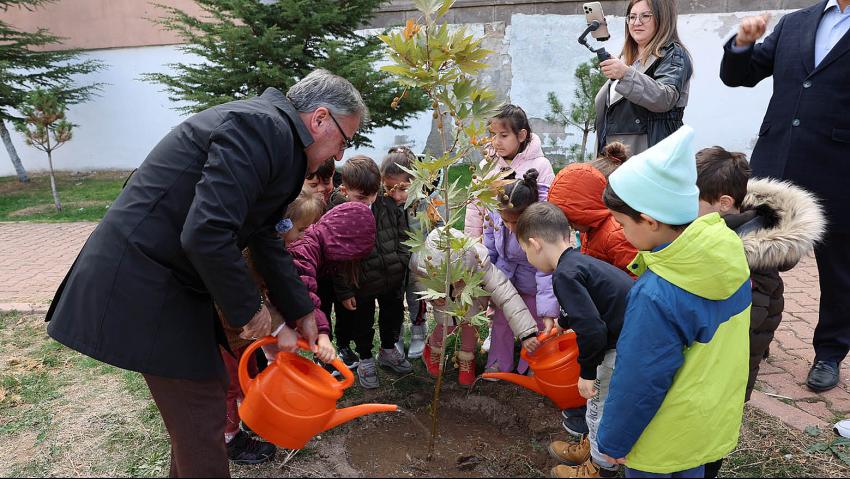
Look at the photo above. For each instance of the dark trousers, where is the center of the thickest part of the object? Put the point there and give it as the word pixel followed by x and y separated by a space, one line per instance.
pixel 194 415
pixel 695 472
pixel 326 296
pixel 832 334
pixel 359 325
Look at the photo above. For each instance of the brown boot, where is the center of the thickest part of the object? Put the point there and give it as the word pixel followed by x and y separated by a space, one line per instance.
pixel 570 452
pixel 588 469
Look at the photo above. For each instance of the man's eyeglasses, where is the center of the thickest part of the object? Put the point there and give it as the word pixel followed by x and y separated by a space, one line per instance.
pixel 348 141
pixel 644 18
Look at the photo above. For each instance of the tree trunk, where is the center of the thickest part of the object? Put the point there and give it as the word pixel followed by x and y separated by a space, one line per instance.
pixel 585 134
pixel 53 183
pixel 13 154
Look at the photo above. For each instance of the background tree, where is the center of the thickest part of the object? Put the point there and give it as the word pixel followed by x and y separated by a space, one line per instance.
pixel 25 65
pixel 250 45
pixel 45 127
pixel 581 113
pixel 443 63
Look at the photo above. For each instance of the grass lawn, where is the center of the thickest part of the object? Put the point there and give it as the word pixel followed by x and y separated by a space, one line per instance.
pixel 84 196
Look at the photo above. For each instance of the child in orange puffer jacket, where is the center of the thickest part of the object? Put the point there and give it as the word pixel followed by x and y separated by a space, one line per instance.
pixel 577 191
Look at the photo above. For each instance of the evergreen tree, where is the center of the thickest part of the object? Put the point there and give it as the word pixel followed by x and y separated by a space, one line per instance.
pixel 582 112
pixel 25 66
pixel 250 45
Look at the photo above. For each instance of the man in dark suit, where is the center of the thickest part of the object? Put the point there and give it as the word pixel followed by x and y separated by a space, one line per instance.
pixel 141 293
pixel 805 138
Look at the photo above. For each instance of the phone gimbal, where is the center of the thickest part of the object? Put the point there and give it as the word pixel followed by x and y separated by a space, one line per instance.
pixel 600 52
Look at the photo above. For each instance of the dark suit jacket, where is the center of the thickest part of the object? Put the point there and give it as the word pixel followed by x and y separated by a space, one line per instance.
pixel 140 294
pixel 805 136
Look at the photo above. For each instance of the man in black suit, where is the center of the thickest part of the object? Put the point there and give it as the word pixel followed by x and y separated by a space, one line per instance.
pixel 805 138
pixel 141 295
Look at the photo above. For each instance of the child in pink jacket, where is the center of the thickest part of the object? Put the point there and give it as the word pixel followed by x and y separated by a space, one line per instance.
pixel 517 149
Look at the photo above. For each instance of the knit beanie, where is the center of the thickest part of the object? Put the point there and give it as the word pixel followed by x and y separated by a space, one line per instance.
pixel 661 182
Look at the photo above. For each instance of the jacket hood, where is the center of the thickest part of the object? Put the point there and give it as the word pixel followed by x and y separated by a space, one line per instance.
pixel 707 260
pixel 347 232
pixel 532 151
pixel 792 219
pixel 577 191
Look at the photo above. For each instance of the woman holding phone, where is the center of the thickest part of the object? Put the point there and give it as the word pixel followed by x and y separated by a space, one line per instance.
pixel 645 96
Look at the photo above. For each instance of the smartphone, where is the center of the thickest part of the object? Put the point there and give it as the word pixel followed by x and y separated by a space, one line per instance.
pixel 593 11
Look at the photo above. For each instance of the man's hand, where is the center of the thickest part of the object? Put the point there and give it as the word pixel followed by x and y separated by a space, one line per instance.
pixel 259 326
pixel 587 388
pixel 751 29
pixel 287 340
pixel 307 329
pixel 349 304
pixel 614 68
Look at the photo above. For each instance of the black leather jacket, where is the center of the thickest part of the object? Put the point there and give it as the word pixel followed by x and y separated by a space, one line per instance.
pixel 652 103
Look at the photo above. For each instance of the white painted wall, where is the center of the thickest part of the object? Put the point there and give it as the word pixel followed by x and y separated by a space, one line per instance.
pixel 118 128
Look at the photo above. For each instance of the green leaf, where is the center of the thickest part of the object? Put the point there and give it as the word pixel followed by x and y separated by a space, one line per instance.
pixel 812 431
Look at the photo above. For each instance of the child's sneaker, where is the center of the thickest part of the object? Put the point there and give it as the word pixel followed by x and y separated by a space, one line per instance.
pixel 577 426
pixel 571 453
pixel 367 374
pixel 466 364
pixel 349 357
pixel 243 450
pixel 586 469
pixel 431 358
pixel 574 412
pixel 392 359
pixel 485 347
pixel 327 367
pixel 399 345
pixel 417 341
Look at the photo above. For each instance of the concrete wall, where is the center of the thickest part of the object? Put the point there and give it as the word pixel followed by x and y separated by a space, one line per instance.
pixel 535 54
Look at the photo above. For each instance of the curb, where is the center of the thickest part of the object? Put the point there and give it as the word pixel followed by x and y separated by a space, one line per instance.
pixel 26 308
pixel 790 415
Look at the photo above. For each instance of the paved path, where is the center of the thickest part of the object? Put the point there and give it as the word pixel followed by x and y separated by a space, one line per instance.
pixel 34 258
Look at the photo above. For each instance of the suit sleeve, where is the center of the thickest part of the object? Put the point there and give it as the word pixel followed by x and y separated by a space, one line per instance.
pixel 649 353
pixel 582 316
pixel 237 170
pixel 749 67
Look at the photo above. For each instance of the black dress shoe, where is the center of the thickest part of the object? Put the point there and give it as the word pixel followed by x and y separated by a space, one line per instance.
pixel 823 376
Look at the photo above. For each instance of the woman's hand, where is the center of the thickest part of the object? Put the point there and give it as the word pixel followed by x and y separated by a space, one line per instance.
pixel 587 388
pixel 326 351
pixel 614 68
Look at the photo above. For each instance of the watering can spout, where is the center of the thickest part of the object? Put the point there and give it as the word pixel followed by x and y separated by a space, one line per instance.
pixel 349 413
pixel 519 379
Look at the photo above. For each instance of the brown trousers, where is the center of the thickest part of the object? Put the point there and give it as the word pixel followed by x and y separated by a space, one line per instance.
pixel 194 415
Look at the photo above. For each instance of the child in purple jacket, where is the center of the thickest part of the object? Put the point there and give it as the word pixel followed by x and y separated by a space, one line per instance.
pixel 534 286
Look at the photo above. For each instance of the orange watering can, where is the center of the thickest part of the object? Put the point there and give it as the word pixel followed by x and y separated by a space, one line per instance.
pixel 555 367
pixel 294 398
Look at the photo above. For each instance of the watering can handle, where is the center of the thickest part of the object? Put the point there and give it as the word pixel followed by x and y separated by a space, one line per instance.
pixel 544 336
pixel 246 381
pixel 348 376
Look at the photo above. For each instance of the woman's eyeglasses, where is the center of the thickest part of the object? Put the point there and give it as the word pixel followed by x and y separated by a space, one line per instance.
pixel 643 17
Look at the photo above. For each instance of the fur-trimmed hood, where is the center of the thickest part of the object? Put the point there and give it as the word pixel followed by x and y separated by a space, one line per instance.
pixel 792 222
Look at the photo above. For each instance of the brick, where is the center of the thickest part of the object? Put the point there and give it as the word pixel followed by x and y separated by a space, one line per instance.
pixel 816 408
pixel 790 415
pixel 796 367
pixel 786 385
pixel 807 354
pixel 838 398
pixel 789 340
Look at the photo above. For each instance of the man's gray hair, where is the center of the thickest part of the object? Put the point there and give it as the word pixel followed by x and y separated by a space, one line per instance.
pixel 322 88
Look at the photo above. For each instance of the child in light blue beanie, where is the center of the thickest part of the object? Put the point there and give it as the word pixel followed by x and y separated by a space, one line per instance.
pixel 677 393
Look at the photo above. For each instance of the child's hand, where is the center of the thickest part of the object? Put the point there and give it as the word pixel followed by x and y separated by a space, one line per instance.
pixel 587 388
pixel 326 351
pixel 531 344
pixel 550 325
pixel 349 304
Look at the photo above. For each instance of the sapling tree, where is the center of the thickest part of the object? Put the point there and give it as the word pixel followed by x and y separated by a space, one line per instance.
pixel 442 61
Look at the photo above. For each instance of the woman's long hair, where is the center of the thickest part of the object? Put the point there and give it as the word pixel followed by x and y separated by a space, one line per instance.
pixel 665 16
